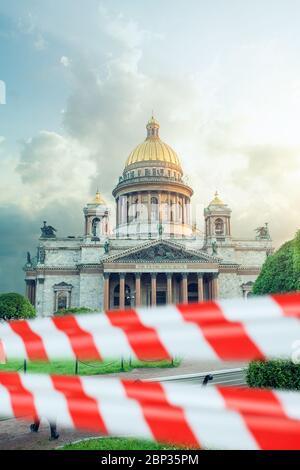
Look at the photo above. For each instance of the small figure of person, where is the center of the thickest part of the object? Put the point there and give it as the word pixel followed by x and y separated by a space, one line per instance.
pixel 34 427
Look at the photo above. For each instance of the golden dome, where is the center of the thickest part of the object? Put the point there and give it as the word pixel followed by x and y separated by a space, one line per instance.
pixel 153 149
pixel 98 199
pixel 217 201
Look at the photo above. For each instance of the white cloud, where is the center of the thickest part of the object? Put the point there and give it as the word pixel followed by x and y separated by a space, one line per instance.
pixel 65 61
pixel 2 139
pixel 54 168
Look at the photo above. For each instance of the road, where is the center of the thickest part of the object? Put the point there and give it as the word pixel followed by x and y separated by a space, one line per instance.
pixel 227 377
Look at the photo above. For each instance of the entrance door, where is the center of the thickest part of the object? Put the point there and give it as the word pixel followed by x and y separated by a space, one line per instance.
pixel 161 297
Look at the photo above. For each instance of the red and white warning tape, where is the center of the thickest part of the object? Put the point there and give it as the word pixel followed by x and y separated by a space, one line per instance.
pixel 261 328
pixel 213 417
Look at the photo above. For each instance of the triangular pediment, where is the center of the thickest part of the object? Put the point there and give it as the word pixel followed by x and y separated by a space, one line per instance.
pixel 161 251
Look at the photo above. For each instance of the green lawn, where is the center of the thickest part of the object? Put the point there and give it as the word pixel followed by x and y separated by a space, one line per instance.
pixel 86 368
pixel 117 444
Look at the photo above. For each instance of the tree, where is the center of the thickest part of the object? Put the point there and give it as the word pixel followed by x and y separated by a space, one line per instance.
pixel 281 271
pixel 15 306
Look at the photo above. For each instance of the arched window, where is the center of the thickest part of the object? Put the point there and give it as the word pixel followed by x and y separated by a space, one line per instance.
pixel 154 209
pixel 95 227
pixel 219 227
pixel 136 212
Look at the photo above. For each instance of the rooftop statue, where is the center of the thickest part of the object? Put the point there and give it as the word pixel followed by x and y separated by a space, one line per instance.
pixel 48 231
pixel 214 246
pixel 106 247
pixel 263 232
pixel 29 259
pixel 160 229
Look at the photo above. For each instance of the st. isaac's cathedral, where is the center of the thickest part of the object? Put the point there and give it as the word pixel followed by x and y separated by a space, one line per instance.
pixel 154 255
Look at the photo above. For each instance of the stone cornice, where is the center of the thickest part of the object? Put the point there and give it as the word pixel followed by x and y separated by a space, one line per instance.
pixel 146 184
pixel 238 269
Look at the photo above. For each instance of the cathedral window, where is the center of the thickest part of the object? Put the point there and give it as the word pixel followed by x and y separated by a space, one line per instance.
pixel 219 227
pixel 137 213
pixel 154 209
pixel 62 296
pixel 95 227
pixel 62 300
pixel 154 172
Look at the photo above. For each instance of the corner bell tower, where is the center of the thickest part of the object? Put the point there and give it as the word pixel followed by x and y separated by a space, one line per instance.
pixel 217 221
pixel 96 214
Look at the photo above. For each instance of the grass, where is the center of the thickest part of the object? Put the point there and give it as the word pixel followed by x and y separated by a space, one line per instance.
pixel 118 444
pixel 85 368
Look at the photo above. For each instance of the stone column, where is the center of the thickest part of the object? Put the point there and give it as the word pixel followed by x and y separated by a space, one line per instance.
pixel 153 289
pixel 159 209
pixel 169 213
pixel 200 287
pixel 137 289
pixel 183 211
pixel 169 288
pixel 123 210
pixel 106 302
pixel 184 288
pixel 149 214
pixel 215 287
pixel 27 294
pixel 34 293
pixel 117 211
pixel 122 291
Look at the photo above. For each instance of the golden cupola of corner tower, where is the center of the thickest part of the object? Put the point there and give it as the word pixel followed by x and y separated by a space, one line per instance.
pixel 151 197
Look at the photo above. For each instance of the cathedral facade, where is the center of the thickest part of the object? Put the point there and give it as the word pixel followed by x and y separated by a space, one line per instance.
pixel 154 255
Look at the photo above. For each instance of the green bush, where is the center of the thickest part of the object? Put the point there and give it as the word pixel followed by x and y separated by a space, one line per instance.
pixel 15 306
pixel 281 271
pixel 73 310
pixel 274 374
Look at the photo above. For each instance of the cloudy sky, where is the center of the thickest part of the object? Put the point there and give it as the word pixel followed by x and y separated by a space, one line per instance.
pixel 82 77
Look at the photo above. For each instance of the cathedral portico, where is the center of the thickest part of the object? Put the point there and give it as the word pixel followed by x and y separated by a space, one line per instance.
pixel 127 290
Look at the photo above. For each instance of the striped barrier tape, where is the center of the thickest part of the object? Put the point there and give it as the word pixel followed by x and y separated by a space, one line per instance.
pixel 215 417
pixel 263 327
